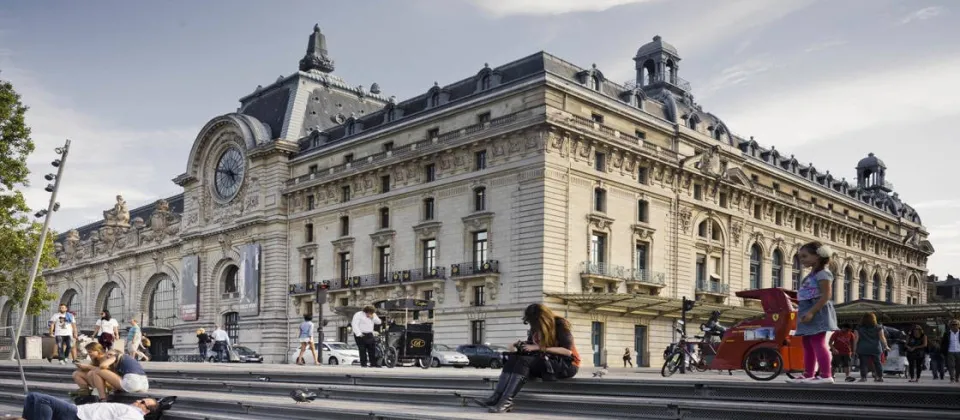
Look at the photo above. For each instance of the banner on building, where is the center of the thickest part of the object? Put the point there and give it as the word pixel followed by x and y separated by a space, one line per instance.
pixel 190 288
pixel 249 280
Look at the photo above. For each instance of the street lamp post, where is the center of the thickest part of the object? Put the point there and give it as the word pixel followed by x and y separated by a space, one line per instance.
pixel 52 207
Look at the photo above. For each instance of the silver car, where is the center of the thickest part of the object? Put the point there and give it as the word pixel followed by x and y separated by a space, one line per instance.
pixel 444 355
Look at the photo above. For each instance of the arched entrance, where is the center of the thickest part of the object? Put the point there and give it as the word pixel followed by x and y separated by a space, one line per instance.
pixel 160 315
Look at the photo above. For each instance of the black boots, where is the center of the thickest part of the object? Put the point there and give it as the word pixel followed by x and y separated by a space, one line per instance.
pixel 497 392
pixel 514 383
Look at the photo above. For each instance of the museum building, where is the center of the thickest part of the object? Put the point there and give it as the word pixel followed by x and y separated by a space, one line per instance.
pixel 533 181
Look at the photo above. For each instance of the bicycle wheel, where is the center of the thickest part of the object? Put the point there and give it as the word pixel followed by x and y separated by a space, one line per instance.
pixel 390 357
pixel 763 364
pixel 672 364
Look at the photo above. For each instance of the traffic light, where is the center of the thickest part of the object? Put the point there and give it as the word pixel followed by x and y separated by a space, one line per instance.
pixel 688 304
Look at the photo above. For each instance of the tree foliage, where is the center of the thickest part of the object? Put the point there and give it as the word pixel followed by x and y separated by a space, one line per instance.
pixel 19 234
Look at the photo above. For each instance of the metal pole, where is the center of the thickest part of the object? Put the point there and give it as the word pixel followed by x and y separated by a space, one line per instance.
pixel 36 261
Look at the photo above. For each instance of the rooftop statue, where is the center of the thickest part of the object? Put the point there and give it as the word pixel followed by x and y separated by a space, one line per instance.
pixel 118 216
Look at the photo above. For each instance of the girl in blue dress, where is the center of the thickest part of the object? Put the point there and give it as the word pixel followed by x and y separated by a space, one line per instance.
pixel 816 315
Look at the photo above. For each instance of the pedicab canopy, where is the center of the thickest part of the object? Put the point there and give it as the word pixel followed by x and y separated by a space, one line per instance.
pixel 396 305
pixel 774 301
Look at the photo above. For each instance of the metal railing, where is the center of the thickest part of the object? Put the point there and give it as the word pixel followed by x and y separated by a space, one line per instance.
pixel 680 82
pixel 300 289
pixel 390 278
pixel 713 287
pixel 646 276
pixel 423 145
pixel 474 268
pixel 417 274
pixel 605 270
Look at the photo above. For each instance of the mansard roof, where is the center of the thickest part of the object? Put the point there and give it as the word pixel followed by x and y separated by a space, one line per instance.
pixel 143 212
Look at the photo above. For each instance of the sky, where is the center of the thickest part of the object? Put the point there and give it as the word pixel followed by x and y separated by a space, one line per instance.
pixel 132 83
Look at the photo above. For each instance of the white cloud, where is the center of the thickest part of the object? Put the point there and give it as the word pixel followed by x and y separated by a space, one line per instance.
pixel 501 8
pixel 820 46
pixel 736 75
pixel 861 101
pixel 938 204
pixel 105 159
pixel 922 14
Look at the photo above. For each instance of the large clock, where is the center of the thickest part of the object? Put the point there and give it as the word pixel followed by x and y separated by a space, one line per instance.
pixel 229 174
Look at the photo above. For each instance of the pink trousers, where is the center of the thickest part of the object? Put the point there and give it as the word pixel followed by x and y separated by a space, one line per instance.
pixel 816 354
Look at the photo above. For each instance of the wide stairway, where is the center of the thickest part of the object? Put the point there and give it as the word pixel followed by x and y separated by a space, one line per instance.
pixel 245 392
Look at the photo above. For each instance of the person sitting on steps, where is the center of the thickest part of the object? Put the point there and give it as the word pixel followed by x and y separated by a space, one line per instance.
pixel 549 353
pixel 119 371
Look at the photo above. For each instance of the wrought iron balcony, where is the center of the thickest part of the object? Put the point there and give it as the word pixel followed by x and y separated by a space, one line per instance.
pixel 475 268
pixel 645 276
pixel 354 282
pixel 713 287
pixel 604 270
pixel 302 289
pixel 417 274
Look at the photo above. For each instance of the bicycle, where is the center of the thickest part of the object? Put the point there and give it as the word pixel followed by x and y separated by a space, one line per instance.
pixel 385 355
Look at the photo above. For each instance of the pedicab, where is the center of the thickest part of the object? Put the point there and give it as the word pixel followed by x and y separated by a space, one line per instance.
pixel 763 346
pixel 404 338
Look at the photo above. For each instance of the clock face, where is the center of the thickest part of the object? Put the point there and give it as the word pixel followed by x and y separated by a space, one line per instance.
pixel 229 174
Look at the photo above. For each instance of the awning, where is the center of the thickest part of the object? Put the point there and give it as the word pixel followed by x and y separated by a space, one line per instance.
pixel 628 304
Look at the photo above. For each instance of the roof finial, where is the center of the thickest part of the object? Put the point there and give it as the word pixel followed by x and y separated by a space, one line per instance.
pixel 316 56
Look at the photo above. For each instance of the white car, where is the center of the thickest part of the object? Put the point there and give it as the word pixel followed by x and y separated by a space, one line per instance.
pixel 444 355
pixel 334 353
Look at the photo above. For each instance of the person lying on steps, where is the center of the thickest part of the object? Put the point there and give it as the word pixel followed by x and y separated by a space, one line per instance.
pixel 46 407
pixel 549 353
pixel 121 372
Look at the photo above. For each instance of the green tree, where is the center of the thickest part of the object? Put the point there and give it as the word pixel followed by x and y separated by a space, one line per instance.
pixel 19 234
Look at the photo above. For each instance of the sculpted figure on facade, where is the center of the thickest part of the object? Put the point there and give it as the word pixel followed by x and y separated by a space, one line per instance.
pixel 162 222
pixel 118 215
pixel 710 162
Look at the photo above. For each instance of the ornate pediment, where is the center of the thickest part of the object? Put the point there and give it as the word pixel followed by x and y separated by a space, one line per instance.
pixel 343 244
pixel 599 221
pixel 383 237
pixel 478 221
pixel 308 250
pixel 427 230
pixel 643 231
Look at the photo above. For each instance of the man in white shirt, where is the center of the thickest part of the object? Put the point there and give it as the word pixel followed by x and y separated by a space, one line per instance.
pixel 221 343
pixel 950 346
pixel 362 325
pixel 45 407
pixel 62 329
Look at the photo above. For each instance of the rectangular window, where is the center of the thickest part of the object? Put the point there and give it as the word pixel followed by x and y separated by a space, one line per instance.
pixel 598 248
pixel 599 200
pixel 311 202
pixel 480 199
pixel 429 255
pixel 848 240
pixel 384 218
pixel 779 218
pixel 640 134
pixel 433 133
pixel 717 266
pixel 348 158
pixel 478 296
pixel 483 118
pixel 344 193
pixel 776 186
pixel 477 332
pixel 428 295
pixel 755 178
pixel 308 233
pixel 345 226
pixel 798 224
pixel 757 212
pixel 231 323
pixel 697 192
pixel 385 183
pixel 723 200
pixel 642 175
pixel 428 208
pixel 344 265
pixel 833 235
pixel 383 256
pixel 600 161
pixel 701 271
pixel 479 248
pixel 313 169
pixel 388 146
pixel 480 160
pixel 597 118
pixel 308 269
pixel 642 211
pixel 430 172
pixel 640 259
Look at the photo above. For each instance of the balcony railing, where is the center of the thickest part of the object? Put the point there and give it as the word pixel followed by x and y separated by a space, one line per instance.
pixel 605 270
pixel 713 287
pixel 680 82
pixel 417 274
pixel 646 276
pixel 474 268
pixel 301 289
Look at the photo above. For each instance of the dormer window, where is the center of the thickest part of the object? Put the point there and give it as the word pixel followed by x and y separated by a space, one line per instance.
pixel 435 99
pixel 593 83
pixel 485 82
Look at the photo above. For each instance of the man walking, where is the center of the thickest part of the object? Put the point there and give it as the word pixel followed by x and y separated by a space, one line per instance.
pixel 62 328
pixel 221 343
pixel 950 346
pixel 362 326
pixel 841 345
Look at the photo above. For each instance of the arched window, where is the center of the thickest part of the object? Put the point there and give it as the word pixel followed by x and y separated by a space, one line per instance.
pixel 113 302
pixel 797 273
pixel 230 279
pixel 231 324
pixel 863 285
pixel 756 266
pixel 776 269
pixel 162 311
pixel 9 320
pixel 480 199
pixel 889 296
pixel 702 229
pixel 876 286
pixel 485 82
pixel 848 284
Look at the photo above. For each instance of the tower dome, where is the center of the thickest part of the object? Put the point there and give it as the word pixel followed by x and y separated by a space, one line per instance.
pixel 870 162
pixel 656 46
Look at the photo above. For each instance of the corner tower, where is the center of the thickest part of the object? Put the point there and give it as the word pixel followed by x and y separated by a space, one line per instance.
pixel 657 64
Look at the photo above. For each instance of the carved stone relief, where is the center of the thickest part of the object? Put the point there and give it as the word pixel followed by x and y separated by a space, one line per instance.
pixel 683 217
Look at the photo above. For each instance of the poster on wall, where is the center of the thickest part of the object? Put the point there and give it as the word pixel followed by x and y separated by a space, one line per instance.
pixel 248 280
pixel 190 288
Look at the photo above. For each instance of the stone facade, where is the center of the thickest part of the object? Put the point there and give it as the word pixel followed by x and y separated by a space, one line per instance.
pixel 536 181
